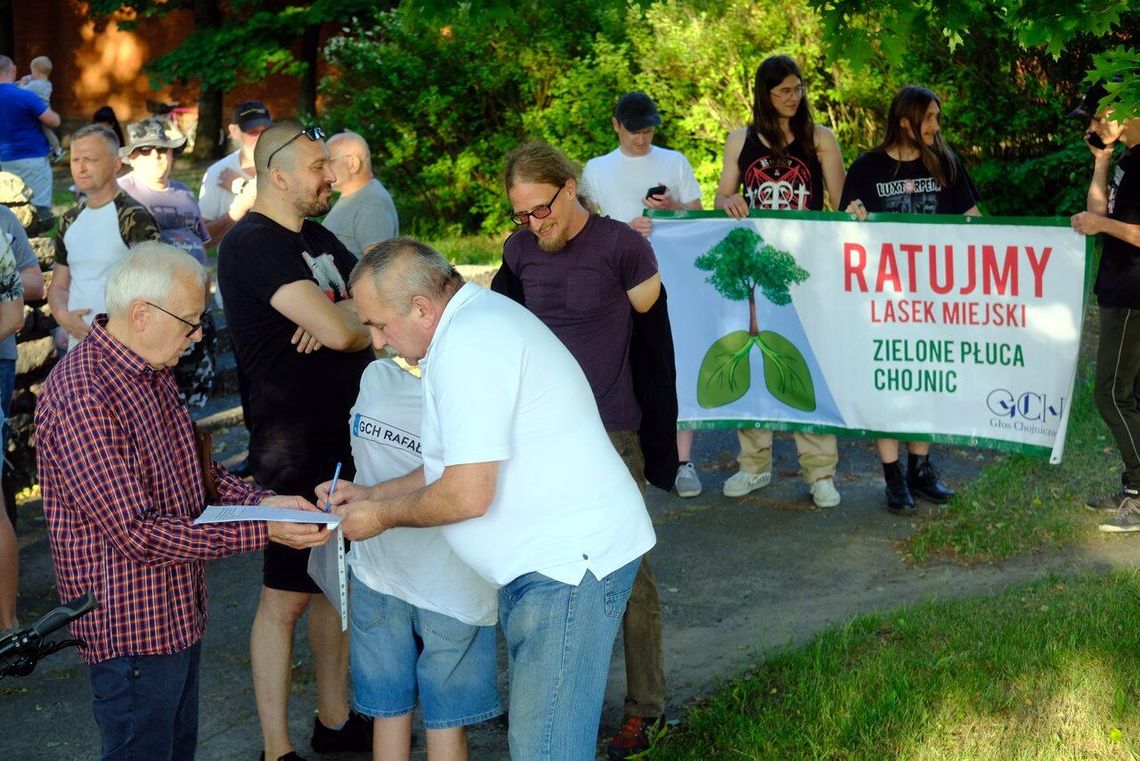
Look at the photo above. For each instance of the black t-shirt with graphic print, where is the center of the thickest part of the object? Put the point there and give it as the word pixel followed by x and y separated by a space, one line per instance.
pixel 1118 278
pixel 295 399
pixel 884 184
pixel 770 182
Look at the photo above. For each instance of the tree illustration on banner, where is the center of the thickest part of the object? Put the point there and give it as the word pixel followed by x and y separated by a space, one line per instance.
pixel 741 263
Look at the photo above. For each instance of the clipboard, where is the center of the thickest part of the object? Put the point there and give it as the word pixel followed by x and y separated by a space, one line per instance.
pixel 327 569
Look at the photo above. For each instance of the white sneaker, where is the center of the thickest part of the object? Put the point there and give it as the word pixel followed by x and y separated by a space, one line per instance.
pixel 741 483
pixel 824 493
pixel 687 483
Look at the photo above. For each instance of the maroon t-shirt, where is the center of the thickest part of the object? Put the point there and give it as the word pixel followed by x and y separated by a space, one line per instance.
pixel 580 294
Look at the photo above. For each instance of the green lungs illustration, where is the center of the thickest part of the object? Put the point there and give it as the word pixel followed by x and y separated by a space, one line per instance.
pixel 739 264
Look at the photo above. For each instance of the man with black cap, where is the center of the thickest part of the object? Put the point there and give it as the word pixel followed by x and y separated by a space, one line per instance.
pixel 1113 208
pixel 228 190
pixel 620 183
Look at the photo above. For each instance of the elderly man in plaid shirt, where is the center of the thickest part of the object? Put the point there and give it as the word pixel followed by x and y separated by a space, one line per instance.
pixel 122 485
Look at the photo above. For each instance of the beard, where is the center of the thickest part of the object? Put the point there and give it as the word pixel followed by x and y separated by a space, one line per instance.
pixel 317 205
pixel 552 243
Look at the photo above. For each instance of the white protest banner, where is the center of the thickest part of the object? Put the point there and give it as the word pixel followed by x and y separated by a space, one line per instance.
pixel 949 329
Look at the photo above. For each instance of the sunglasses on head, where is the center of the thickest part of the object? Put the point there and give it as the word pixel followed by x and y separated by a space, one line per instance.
pixel 313 132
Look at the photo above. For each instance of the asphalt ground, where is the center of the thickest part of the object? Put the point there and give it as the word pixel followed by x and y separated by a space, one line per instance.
pixel 739 579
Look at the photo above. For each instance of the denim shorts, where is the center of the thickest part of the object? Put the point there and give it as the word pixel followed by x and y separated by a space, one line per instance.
pixel 398 651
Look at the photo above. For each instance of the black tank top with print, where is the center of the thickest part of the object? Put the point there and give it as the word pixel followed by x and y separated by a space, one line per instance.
pixel 792 182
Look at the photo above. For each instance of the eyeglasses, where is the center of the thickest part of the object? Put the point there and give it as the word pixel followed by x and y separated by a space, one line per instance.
pixel 787 93
pixel 538 212
pixel 313 132
pixel 146 150
pixel 194 326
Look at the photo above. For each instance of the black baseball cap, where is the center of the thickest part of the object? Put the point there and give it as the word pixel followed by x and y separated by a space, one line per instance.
pixel 636 111
pixel 1090 104
pixel 251 114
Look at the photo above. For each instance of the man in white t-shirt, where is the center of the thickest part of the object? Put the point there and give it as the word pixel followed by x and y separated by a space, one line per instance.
pixel 94 235
pixel 422 620
pixel 228 190
pixel 509 426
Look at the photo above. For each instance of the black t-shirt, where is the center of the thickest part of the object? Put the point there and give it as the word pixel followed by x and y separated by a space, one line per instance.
pixel 295 399
pixel 770 182
pixel 905 187
pixel 1118 279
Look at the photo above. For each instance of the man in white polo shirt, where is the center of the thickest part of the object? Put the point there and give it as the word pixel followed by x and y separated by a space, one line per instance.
pixel 509 426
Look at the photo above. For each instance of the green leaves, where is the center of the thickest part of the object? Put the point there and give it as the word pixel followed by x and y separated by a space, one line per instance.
pixel 725 375
pixel 786 372
pixel 742 262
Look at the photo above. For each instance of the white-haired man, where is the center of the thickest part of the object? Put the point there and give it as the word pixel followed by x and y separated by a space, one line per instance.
pixel 365 213
pixel 122 486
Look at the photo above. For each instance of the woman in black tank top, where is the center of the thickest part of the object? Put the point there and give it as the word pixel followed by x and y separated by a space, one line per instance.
pixel 783 161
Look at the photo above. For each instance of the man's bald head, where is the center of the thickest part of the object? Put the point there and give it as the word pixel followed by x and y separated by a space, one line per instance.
pixel 351 160
pixel 7 69
pixel 280 134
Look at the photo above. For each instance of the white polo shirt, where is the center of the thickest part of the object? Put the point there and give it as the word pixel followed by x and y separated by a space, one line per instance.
pixel 414 564
pixel 500 387
pixel 618 183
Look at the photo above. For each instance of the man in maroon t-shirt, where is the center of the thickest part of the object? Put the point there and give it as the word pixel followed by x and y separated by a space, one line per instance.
pixel 583 275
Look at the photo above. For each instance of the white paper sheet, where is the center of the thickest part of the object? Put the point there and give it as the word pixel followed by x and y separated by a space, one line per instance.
pixel 231 513
pixel 327 569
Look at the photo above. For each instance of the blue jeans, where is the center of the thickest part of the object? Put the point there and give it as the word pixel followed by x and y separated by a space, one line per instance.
pixel 146 706
pixel 560 639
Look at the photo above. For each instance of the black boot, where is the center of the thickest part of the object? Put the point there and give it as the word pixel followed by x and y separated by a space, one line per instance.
pixel 899 500
pixel 922 478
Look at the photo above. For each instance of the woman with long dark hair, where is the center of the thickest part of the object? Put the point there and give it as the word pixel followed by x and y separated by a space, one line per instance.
pixel 783 160
pixel 913 171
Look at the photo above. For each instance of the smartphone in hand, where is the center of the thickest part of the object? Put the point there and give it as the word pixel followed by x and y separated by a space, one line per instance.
pixel 656 190
pixel 1094 140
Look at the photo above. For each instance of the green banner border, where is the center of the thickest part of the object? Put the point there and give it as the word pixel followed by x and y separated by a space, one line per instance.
pixel 840 216
pixel 923 219
pixel 863 433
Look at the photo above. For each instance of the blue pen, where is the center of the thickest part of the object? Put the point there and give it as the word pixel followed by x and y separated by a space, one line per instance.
pixel 332 491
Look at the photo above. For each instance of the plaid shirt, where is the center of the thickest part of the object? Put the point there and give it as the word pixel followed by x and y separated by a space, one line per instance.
pixel 121 487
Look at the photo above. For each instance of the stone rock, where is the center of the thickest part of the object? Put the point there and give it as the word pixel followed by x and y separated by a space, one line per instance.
pixel 35 357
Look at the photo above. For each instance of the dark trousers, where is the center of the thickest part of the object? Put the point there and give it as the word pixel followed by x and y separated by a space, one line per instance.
pixel 641 625
pixel 1118 385
pixel 146 706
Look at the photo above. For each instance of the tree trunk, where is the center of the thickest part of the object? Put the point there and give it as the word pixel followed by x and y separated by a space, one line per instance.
pixel 753 324
pixel 211 138
pixel 307 95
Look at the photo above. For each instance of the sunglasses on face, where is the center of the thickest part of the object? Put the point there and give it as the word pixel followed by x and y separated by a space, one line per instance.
pixel 194 327
pixel 146 150
pixel 538 212
pixel 313 132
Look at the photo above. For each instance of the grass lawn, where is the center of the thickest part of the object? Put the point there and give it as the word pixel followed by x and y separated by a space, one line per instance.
pixel 1047 671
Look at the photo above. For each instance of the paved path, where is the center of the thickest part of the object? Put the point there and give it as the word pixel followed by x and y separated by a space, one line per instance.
pixel 738 579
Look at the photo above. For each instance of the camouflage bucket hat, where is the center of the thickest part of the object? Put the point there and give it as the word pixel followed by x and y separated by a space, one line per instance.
pixel 151 132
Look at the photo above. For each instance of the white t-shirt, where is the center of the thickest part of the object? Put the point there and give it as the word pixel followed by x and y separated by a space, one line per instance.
pixel 619 183
pixel 500 387
pixel 95 244
pixel 413 564
pixel 215 201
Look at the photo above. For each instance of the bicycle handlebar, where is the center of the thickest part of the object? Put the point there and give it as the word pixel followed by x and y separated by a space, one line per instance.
pixel 26 646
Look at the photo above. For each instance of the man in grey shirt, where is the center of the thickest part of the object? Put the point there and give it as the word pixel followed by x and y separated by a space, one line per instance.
pixel 365 213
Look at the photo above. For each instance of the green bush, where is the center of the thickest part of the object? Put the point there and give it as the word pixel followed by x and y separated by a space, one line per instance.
pixel 442 102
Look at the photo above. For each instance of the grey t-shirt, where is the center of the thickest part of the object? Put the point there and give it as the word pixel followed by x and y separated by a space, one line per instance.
pixel 364 217
pixel 11 229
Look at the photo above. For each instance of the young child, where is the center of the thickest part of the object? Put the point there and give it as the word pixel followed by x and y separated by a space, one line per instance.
pixel 422 622
pixel 39 82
